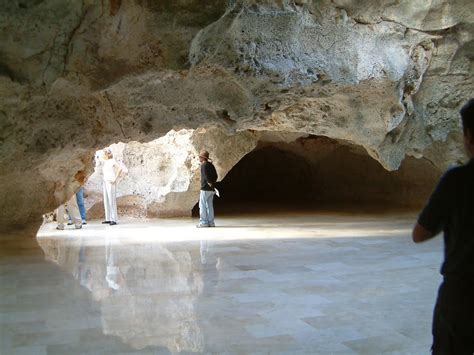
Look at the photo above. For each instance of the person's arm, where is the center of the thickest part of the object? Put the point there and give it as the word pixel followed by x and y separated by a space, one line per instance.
pixel 208 175
pixel 116 171
pixel 420 233
pixel 123 171
pixel 434 216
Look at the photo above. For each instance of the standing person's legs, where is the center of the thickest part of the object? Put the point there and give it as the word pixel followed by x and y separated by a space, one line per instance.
pixel 106 201
pixel 60 217
pixel 203 216
pixel 80 203
pixel 453 319
pixel 111 191
pixel 74 212
pixel 210 208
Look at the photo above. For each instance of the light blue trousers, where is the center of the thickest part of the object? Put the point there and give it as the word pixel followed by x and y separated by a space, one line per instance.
pixel 206 208
pixel 80 204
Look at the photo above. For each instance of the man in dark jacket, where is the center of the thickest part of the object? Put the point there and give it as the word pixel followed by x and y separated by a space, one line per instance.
pixel 206 197
pixel 451 209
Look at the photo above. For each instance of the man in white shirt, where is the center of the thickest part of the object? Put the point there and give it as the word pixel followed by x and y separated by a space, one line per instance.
pixel 112 171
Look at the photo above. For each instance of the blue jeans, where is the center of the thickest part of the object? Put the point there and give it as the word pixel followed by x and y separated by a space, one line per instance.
pixel 80 203
pixel 206 208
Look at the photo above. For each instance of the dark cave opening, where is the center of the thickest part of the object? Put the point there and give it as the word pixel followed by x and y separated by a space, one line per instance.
pixel 318 173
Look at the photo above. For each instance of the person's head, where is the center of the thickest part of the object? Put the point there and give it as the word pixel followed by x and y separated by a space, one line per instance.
pixel 108 154
pixel 203 155
pixel 467 117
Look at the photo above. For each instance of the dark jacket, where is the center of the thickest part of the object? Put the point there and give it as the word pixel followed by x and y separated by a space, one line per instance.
pixel 208 176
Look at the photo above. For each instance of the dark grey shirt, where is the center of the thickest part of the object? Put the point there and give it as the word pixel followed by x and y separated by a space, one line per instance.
pixel 208 176
pixel 451 209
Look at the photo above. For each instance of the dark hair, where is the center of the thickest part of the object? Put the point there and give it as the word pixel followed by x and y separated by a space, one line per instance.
pixel 467 116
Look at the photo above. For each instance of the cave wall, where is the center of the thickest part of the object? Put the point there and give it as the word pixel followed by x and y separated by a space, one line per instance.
pixel 258 170
pixel 317 172
pixel 78 76
pixel 164 175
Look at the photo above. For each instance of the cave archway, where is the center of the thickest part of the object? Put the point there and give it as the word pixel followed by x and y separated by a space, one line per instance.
pixel 270 175
pixel 318 173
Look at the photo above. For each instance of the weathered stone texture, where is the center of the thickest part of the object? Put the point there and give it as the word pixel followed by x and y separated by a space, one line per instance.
pixel 164 174
pixel 76 76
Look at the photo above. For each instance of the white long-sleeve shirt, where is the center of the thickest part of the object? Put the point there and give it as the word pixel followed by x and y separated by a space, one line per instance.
pixel 111 170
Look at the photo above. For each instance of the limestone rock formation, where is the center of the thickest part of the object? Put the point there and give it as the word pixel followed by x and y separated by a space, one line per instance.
pixel 164 174
pixel 78 76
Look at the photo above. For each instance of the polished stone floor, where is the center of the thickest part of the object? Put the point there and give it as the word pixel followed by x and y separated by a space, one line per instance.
pixel 283 284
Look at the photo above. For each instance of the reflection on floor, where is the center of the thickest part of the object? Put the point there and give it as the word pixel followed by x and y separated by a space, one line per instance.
pixel 322 284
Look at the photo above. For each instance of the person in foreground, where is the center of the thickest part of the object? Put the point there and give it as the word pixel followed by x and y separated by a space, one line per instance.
pixel 451 209
pixel 206 196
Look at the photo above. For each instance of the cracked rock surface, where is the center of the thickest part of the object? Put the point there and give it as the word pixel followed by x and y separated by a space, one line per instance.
pixel 76 76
